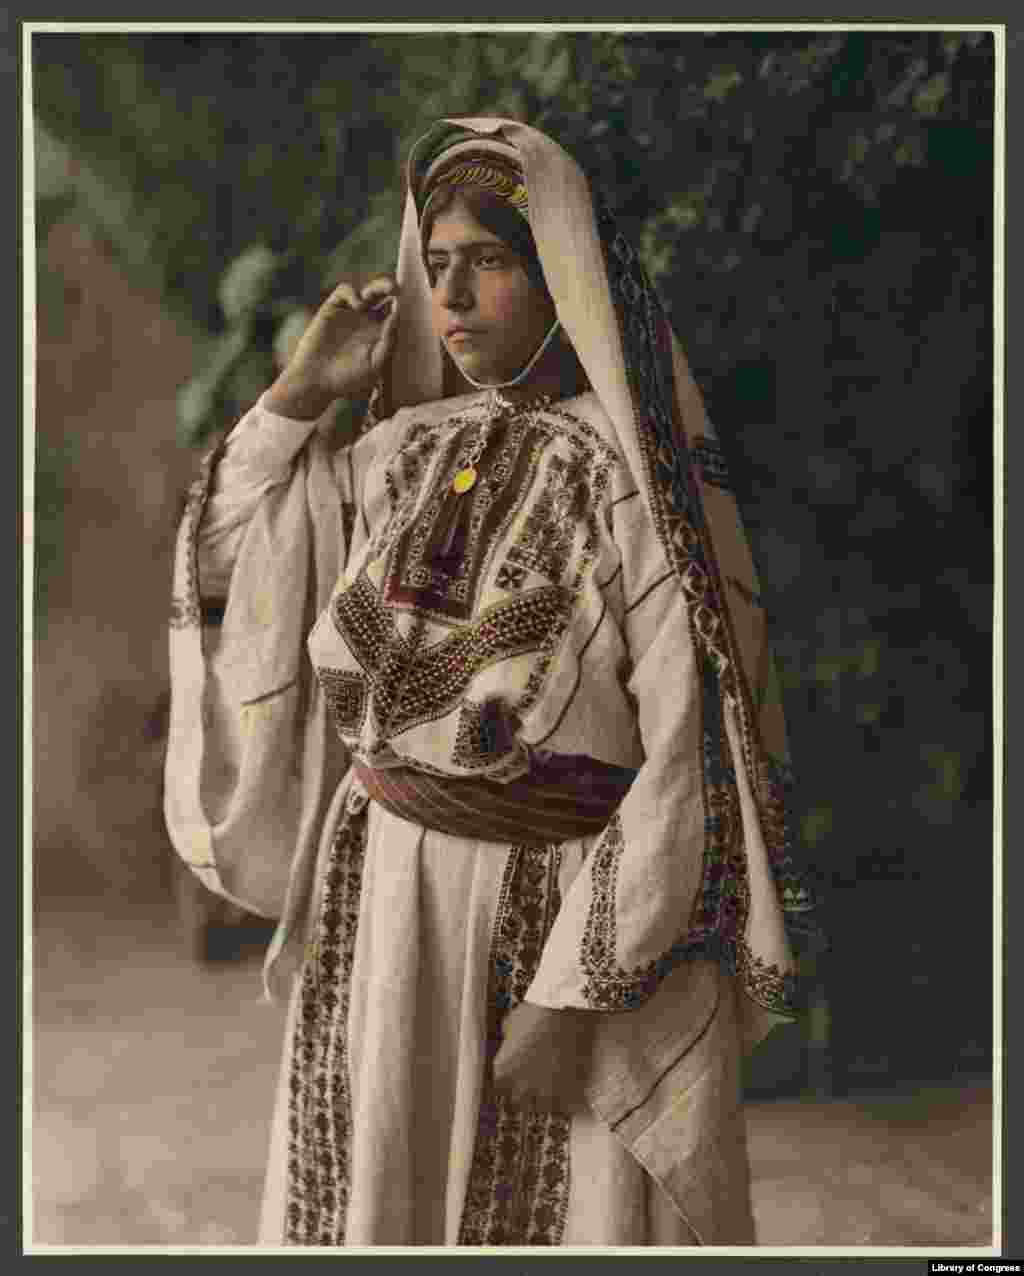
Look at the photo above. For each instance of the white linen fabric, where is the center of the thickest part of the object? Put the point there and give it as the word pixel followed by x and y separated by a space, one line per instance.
pixel 252 758
pixel 435 905
pixel 417 1147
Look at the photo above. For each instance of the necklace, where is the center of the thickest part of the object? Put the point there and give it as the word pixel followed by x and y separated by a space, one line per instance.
pixel 500 408
pixel 466 473
pixel 524 373
pixel 449 529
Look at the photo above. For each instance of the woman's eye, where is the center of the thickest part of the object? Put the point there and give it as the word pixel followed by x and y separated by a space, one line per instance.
pixel 489 260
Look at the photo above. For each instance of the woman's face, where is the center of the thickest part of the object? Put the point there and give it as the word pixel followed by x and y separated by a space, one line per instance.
pixel 488 313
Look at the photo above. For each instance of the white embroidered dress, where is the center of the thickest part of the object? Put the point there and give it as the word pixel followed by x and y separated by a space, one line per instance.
pixel 562 630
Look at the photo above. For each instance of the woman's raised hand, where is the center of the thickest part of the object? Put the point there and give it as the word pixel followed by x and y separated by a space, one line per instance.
pixel 342 353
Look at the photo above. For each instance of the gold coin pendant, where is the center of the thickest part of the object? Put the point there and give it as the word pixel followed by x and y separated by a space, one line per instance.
pixel 464 480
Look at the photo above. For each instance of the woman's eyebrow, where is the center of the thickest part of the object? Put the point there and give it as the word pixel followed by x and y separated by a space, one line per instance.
pixel 490 245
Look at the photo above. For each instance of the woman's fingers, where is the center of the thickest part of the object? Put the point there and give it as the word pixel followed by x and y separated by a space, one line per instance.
pixel 540 1094
pixel 380 300
pixel 376 301
pixel 344 295
pixel 533 1093
pixel 530 1100
pixel 348 341
pixel 378 289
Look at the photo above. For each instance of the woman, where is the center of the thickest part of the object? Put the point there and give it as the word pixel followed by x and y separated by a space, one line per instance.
pixel 529 815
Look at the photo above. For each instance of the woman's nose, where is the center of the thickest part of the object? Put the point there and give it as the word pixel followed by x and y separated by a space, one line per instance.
pixel 456 293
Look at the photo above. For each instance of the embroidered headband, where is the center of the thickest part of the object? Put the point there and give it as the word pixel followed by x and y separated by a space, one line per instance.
pixel 488 172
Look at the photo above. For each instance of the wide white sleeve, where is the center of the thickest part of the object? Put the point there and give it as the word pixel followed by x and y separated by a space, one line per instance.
pixel 258 455
pixel 632 899
pixel 252 757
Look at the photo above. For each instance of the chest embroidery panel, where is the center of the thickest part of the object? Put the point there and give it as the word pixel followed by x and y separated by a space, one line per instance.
pixel 417 577
pixel 535 512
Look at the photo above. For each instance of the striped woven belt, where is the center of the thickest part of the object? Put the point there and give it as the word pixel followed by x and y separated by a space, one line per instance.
pixel 561 798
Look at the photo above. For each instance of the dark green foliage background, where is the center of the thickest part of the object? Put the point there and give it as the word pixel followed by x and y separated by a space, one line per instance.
pixel 816 209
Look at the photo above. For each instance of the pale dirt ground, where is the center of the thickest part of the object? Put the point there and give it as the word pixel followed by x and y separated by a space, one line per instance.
pixel 153 1079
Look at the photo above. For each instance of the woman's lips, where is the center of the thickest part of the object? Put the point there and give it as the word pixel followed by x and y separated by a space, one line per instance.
pixel 462 334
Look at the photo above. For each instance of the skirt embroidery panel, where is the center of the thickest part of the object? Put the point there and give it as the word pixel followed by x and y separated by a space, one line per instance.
pixel 518 1192
pixel 319 1109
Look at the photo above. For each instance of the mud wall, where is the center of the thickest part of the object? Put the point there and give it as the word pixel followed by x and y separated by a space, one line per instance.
pixel 109 362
